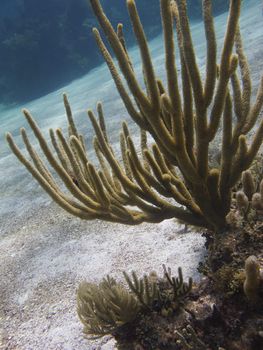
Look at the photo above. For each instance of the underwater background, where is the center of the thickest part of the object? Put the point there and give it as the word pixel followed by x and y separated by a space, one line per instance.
pixel 45 44
pixel 47 48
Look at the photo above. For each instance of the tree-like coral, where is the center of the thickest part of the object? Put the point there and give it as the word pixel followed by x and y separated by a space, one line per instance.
pixel 174 177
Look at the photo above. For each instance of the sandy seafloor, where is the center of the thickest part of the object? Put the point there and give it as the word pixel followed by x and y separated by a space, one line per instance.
pixel 45 253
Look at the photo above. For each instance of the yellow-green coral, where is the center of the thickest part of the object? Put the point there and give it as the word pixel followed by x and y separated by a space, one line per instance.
pixel 106 307
pixel 174 177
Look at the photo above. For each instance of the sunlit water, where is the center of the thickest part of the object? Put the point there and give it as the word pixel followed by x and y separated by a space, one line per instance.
pixel 18 191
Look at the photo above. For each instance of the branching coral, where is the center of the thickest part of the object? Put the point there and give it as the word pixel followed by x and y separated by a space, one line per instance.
pixel 106 307
pixel 174 177
pixel 153 292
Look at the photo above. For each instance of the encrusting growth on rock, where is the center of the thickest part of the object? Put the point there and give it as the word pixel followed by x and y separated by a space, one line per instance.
pixel 173 178
pixel 189 340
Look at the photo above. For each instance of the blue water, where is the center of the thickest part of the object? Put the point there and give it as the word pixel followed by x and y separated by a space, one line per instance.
pixel 18 191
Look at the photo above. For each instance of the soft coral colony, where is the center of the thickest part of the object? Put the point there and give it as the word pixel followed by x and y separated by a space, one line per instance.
pixel 174 177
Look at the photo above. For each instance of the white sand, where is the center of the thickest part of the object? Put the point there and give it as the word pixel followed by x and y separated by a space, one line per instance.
pixel 45 255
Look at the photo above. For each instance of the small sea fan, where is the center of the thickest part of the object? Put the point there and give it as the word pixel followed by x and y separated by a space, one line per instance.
pixel 105 307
